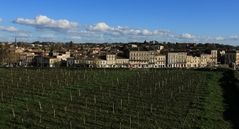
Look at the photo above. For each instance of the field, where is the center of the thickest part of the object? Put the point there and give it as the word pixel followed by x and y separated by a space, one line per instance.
pixel 117 99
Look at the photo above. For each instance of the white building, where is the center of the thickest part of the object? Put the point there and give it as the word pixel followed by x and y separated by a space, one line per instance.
pixel 177 59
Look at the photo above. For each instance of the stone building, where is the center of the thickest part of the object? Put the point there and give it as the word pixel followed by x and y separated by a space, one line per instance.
pixel 232 58
pixel 141 59
pixel 159 61
pixel 192 61
pixel 111 59
pixel 176 59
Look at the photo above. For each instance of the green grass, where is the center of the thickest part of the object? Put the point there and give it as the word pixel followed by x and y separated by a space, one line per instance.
pixel 212 116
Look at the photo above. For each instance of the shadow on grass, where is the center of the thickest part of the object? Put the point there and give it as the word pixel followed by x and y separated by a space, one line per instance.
pixel 231 97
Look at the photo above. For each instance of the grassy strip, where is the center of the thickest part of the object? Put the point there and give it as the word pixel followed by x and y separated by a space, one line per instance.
pixel 212 116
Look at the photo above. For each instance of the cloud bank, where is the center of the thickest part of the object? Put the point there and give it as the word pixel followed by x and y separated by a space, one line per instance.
pixel 8 29
pixel 45 28
pixel 104 28
pixel 44 22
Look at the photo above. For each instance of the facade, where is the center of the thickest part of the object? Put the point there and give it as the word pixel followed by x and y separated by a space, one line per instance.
pixel 101 63
pixel 26 59
pixel 122 63
pixel 70 62
pixel 205 60
pixel 52 59
pixel 63 56
pixel 176 59
pixel 141 59
pixel 160 61
pixel 209 60
pixel 111 59
pixel 42 61
pixel 192 61
pixel 232 58
pixel 213 57
pixel 140 55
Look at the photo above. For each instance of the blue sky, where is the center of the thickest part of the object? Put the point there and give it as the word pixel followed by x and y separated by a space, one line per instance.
pixel 120 20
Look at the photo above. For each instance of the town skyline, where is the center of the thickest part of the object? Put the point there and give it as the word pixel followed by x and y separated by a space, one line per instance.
pixel 120 21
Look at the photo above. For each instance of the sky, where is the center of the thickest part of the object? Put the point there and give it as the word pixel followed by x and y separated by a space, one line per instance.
pixel 214 21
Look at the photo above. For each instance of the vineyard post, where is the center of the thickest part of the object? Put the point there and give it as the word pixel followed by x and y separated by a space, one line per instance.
pixel 113 107
pixel 130 120
pixel 13 113
pixel 27 107
pixel 70 125
pixel 54 113
pixel 40 107
pixel 94 99
pixel 40 119
pixel 79 93
pixel 95 114
pixel 138 117
pixel 71 98
pixel 151 108
pixel 84 119
pixel 121 104
pixel 2 96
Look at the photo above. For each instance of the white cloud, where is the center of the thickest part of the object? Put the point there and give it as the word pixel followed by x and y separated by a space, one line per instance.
pixel 102 26
pixel 47 23
pixel 8 29
pixel 186 36
pixel 106 29
pixel 1 20
pixel 23 34
pixel 234 37
pixel 220 38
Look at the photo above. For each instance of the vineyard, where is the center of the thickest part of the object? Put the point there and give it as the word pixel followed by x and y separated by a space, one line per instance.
pixel 114 98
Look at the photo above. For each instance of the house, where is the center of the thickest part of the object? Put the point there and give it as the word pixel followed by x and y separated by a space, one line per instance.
pixel 45 61
pixel 26 59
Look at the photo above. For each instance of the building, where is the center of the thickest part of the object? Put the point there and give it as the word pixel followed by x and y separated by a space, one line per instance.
pixel 111 60
pixel 63 56
pixel 213 58
pixel 100 63
pixel 70 61
pixel 140 55
pixel 209 60
pixel 122 62
pixel 205 60
pixel 53 59
pixel 159 61
pixel 176 59
pixel 192 61
pixel 141 59
pixel 45 61
pixel 232 58
pixel 26 59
